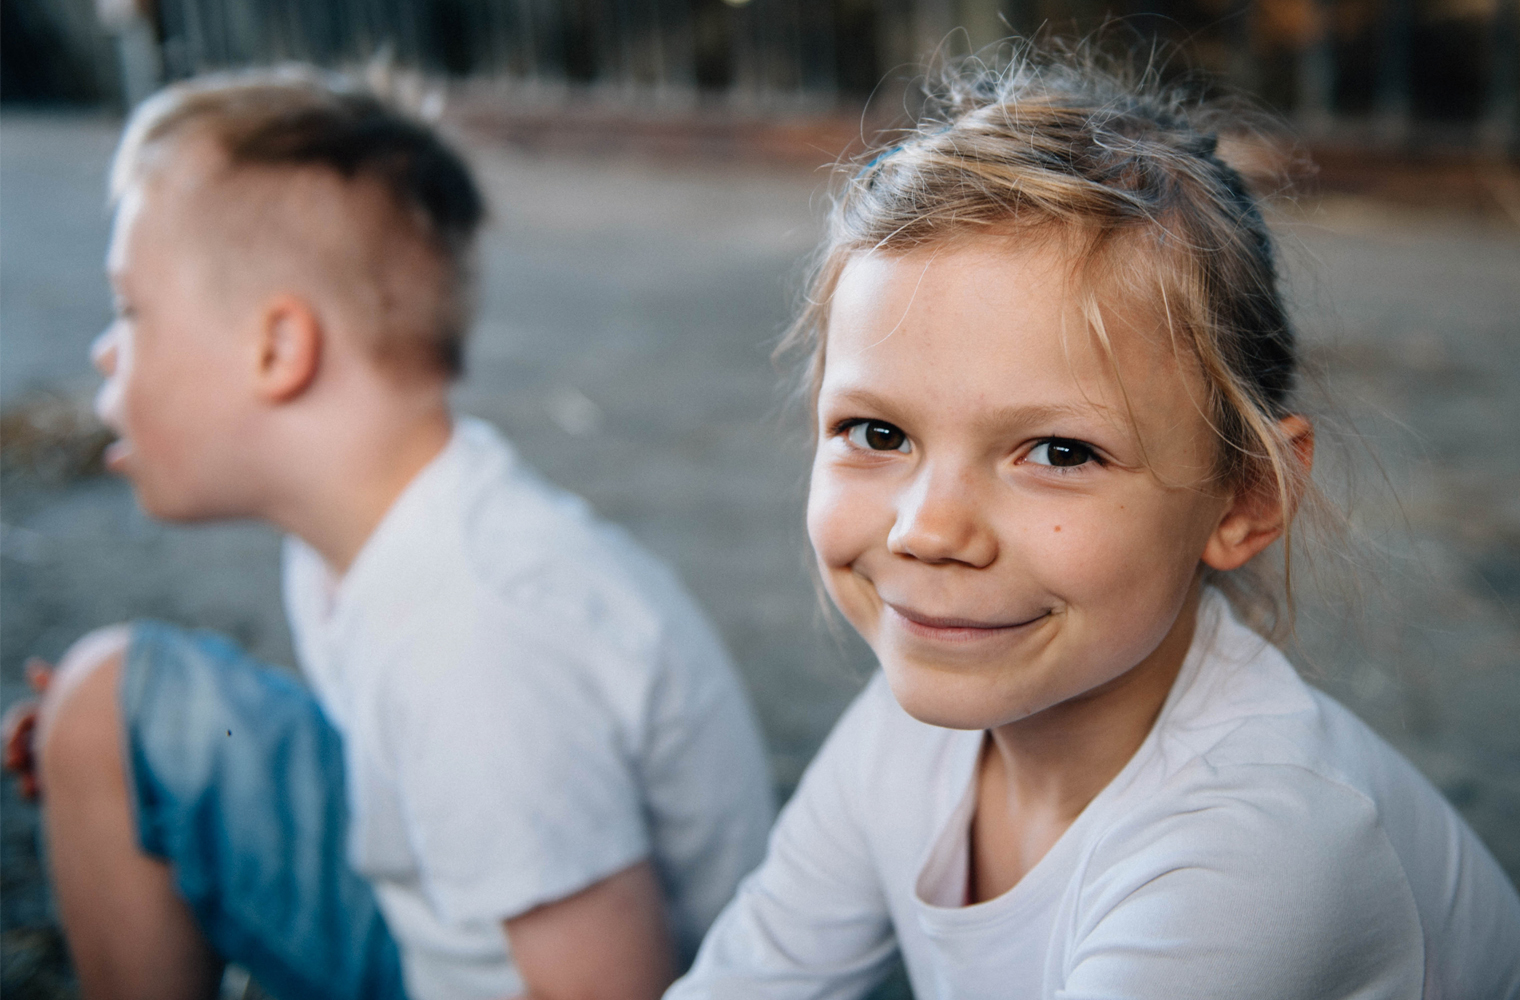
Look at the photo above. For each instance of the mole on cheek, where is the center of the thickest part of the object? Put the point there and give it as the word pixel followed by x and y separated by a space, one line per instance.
pixel 1058 527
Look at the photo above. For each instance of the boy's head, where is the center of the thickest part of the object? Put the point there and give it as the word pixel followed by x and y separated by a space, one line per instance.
pixel 256 204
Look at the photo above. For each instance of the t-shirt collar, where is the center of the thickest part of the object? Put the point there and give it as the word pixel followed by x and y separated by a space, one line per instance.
pixel 405 519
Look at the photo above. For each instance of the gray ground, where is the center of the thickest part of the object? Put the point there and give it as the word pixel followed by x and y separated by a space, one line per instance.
pixel 629 309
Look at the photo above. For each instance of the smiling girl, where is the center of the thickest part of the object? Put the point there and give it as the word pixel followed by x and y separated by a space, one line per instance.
pixel 1051 375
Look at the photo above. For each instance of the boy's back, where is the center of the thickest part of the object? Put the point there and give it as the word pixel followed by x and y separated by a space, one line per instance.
pixel 523 735
pixel 529 703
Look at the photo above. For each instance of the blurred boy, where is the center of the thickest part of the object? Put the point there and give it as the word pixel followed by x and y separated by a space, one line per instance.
pixel 525 759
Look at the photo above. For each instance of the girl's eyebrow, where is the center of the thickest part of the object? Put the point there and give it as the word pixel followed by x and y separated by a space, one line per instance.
pixel 1001 418
pixel 1041 414
pixel 862 399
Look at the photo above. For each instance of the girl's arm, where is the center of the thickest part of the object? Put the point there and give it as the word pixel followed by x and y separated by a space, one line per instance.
pixel 811 921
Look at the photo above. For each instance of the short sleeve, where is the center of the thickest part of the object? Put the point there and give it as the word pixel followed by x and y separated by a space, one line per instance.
pixel 514 768
pixel 812 921
pixel 1271 886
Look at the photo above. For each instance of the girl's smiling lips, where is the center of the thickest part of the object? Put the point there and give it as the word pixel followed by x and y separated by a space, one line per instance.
pixel 955 629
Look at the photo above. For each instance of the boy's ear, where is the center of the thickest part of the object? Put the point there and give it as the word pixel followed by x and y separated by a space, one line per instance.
pixel 1255 517
pixel 289 348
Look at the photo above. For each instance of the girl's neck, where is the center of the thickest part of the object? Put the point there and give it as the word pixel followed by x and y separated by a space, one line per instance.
pixel 1037 774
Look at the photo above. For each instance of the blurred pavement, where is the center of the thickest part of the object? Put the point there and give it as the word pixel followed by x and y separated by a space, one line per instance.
pixel 629 309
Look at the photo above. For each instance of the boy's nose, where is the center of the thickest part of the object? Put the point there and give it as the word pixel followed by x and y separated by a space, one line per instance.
pixel 941 519
pixel 103 351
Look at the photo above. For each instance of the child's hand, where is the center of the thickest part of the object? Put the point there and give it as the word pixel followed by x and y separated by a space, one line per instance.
pixel 20 725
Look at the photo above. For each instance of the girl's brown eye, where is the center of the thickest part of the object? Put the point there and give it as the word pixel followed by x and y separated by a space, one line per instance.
pixel 1062 453
pixel 878 435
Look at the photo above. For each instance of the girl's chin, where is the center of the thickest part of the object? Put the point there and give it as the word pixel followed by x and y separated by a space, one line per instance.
pixel 953 699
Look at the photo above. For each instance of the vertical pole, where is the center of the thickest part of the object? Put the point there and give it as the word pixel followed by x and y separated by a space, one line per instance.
pixel 547 40
pixel 789 68
pixel 898 59
pixel 745 78
pixel 763 18
pixel 933 20
pixel 654 46
pixel 1501 121
pixel 816 32
pixel 138 56
pixel 983 21
pixel 678 49
pixel 622 44
pixel 1015 17
pixel 141 66
pixel 1392 101
pixel 1242 60
pixel 527 40
pixel 194 40
pixel 1316 74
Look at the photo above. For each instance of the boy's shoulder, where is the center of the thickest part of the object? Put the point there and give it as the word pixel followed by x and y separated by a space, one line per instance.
pixel 539 551
pixel 481 550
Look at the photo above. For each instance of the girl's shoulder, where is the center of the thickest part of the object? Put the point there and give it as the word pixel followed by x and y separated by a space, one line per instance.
pixel 1308 829
pixel 1258 794
pixel 1238 702
pixel 1240 716
pixel 1243 735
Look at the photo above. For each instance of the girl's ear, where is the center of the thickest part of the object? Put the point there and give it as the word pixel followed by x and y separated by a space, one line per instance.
pixel 289 348
pixel 1255 517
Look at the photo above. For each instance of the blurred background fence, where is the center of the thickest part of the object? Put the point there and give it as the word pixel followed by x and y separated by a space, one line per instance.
pixel 1375 73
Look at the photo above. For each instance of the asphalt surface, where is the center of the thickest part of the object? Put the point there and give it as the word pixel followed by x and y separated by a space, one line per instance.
pixel 629 310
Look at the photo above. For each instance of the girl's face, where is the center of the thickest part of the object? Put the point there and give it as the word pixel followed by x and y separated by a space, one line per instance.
pixel 983 508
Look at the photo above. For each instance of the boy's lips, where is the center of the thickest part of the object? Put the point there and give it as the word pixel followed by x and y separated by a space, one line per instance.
pixel 956 629
pixel 116 455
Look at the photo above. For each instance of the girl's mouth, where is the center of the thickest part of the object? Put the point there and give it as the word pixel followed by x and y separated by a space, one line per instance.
pixel 956 629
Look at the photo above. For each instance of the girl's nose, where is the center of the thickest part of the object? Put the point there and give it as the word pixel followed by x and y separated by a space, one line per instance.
pixel 103 351
pixel 941 519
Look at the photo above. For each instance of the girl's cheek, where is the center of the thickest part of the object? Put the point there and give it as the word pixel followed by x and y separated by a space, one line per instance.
pixel 1126 557
pixel 1079 548
pixel 842 519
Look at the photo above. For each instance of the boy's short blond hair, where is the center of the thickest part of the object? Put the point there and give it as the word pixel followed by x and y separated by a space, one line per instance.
pixel 302 119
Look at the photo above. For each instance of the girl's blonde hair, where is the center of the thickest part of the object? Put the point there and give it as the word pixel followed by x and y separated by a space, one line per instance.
pixel 1057 141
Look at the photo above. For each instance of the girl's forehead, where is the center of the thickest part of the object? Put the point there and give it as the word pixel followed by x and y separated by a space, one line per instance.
pixel 966 261
pixel 989 325
pixel 989 304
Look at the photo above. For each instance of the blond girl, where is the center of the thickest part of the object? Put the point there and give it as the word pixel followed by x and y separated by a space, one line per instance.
pixel 1052 381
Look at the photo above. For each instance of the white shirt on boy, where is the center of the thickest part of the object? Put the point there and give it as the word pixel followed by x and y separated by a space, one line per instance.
pixel 1262 843
pixel 529 703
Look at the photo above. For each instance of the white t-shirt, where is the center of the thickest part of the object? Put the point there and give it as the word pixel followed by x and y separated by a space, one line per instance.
pixel 1261 843
pixel 529 703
